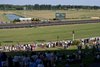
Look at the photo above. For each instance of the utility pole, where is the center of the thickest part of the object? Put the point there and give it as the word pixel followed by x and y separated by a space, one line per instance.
pixel 73 32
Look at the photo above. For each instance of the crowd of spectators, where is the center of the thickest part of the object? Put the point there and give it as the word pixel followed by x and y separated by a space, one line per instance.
pixel 45 59
pixel 40 59
pixel 89 42
pixel 49 58
pixel 34 46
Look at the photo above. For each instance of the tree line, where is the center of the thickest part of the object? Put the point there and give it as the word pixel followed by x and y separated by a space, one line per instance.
pixel 45 7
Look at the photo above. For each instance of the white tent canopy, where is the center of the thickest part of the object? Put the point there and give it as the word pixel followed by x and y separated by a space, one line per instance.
pixel 25 19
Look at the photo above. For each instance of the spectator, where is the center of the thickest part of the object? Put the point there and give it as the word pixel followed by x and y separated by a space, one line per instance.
pixel 67 65
pixel 40 65
pixel 3 58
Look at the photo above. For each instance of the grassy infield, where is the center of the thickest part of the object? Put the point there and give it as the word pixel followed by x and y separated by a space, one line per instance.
pixel 50 33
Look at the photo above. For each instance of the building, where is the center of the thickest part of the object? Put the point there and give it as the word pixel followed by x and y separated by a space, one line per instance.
pixel 60 16
pixel 25 19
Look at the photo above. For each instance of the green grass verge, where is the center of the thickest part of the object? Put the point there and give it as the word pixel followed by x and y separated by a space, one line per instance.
pixel 49 33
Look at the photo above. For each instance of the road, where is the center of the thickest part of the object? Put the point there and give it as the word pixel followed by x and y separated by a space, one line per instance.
pixel 38 24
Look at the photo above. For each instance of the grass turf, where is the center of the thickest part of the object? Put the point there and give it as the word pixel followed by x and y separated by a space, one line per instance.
pixel 49 33
pixel 50 14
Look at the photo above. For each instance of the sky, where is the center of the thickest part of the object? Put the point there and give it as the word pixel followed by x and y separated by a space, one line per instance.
pixel 53 2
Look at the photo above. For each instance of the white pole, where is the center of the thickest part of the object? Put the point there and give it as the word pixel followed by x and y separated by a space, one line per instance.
pixel 73 32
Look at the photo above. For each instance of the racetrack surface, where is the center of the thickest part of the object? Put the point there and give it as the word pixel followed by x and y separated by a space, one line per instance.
pixel 37 24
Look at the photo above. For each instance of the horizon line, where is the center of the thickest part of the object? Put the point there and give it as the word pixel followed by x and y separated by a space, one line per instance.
pixel 51 4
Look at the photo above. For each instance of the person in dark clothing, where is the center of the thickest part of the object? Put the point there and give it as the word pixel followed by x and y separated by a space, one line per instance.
pixel 10 62
pixel 3 56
